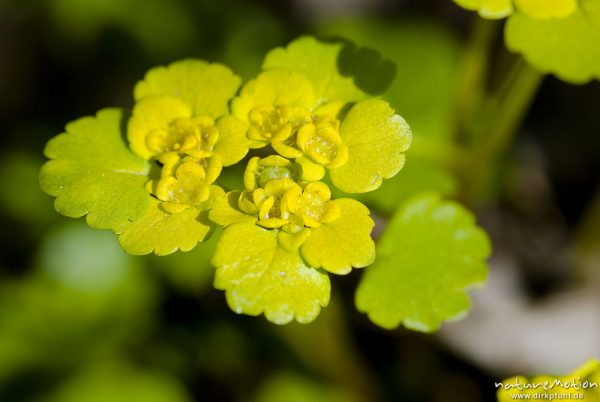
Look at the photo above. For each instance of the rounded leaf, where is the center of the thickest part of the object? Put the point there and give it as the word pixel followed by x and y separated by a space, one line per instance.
pixel 429 255
pixel 259 276
pixel 274 88
pixel 163 233
pixel 337 70
pixel 205 87
pixel 232 145
pixel 567 47
pixel 344 243
pixel 92 172
pixel 546 9
pixel 225 210
pixel 376 138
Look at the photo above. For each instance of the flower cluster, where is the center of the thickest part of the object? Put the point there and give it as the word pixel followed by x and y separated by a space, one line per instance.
pixel 306 126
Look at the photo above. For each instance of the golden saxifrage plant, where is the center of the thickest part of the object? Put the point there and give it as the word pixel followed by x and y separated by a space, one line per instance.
pixel 152 176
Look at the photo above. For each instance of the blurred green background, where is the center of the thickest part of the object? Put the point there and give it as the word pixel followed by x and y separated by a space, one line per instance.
pixel 80 320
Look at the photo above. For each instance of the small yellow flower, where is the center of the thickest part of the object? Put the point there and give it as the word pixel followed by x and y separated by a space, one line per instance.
pixel 359 145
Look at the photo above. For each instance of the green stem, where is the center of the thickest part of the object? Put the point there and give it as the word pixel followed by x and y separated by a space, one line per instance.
pixel 509 108
pixel 502 116
pixel 473 72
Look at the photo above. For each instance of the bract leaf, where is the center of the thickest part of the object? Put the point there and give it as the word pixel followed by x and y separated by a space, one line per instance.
pixel 274 88
pixel 205 87
pixel 232 145
pixel 376 139
pixel 259 276
pixel 225 211
pixel 164 233
pixel 429 254
pixel 491 9
pixel 93 172
pixel 344 243
pixel 338 70
pixel 567 47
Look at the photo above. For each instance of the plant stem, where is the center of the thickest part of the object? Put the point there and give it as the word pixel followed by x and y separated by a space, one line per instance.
pixel 473 72
pixel 502 115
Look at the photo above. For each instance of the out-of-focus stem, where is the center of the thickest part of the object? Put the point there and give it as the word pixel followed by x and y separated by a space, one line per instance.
pixel 501 118
pixel 473 73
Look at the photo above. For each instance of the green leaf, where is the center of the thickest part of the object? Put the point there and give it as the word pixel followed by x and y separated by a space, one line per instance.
pixel 492 9
pixel 206 88
pixel 225 211
pixel 164 233
pixel 344 243
pixel 429 255
pixel 567 47
pixel 93 172
pixel 233 144
pixel 546 9
pixel 260 276
pixel 376 139
pixel 338 70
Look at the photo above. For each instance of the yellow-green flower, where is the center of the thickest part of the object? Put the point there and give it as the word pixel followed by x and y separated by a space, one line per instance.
pixel 278 220
pixel 189 138
pixel 331 234
pixel 359 144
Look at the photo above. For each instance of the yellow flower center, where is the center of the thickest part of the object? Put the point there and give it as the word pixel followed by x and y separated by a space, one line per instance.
pixel 188 183
pixel 282 203
pixel 276 122
pixel 294 132
pixel 189 167
pixel 194 136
